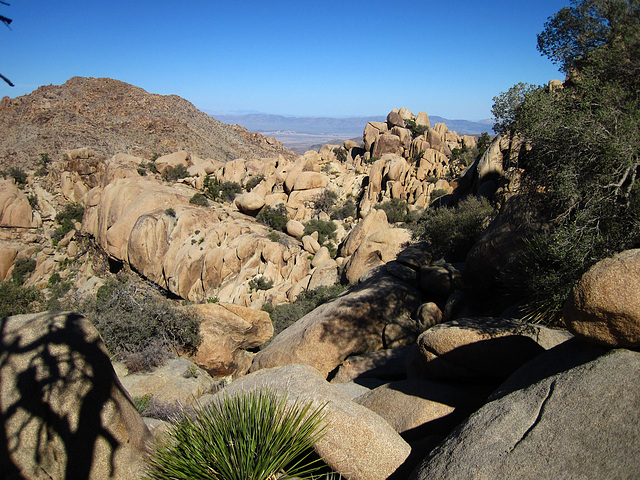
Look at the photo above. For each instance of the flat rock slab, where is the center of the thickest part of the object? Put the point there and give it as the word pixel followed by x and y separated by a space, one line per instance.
pixel 573 412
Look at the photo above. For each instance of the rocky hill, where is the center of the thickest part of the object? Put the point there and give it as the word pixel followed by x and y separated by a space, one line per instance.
pixel 110 116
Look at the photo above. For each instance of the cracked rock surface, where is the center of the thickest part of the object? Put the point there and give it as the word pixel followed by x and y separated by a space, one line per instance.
pixel 573 412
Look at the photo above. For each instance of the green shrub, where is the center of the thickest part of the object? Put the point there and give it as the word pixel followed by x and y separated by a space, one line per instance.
pixel 397 211
pixel 213 300
pixel 341 154
pixel 437 193
pixel 253 182
pixel 414 127
pixel 348 209
pixel 199 199
pixel 22 268
pixel 57 291
pixel 18 175
pixel 325 201
pixel 273 236
pixel 72 212
pixel 276 217
pixel 54 278
pixel 326 229
pixel 253 435
pixel 452 231
pixel 175 173
pixel 229 190
pixel 138 326
pixel 484 140
pixel 170 212
pixel 286 314
pixel 45 160
pixel 16 300
pixel 260 283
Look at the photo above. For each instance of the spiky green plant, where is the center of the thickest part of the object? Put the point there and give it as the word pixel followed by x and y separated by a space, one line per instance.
pixel 256 435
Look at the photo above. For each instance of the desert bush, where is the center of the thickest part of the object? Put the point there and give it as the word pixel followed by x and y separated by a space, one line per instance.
pixel 341 154
pixel 325 201
pixel 229 190
pixel 19 175
pixel 273 236
pixel 175 173
pixel 275 217
pixel 45 160
pixel 260 283
pixel 286 314
pixel 170 212
pixel 22 268
pixel 397 211
pixel 138 326
pixel 253 182
pixel 437 193
pixel 72 212
pixel 199 199
pixel 465 155
pixel 254 435
pixel 347 209
pixel 326 229
pixel 414 127
pixel 16 299
pixel 57 291
pixel 452 231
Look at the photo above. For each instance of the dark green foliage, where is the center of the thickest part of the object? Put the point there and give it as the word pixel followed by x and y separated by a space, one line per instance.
pixel 465 155
pixel 175 173
pixel 45 160
pixel 348 209
pixel 33 201
pixel 22 268
pixel 286 314
pixel 54 278
pixel 170 212
pixel 397 211
pixel 260 283
pixel 581 171
pixel 229 190
pixel 220 191
pixel 16 300
pixel 507 104
pixel 341 154
pixel 273 236
pixel 326 229
pixel 253 182
pixel 452 231
pixel 57 291
pixel 199 199
pixel 414 127
pixel 253 435
pixel 276 217
pixel 325 201
pixel 71 211
pixel 437 193
pixel 138 326
pixel 484 140
pixel 18 175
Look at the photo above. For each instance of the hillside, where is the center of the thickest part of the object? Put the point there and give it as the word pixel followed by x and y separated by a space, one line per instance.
pixel 111 116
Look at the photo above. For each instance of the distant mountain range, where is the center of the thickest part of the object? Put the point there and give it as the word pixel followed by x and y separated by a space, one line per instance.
pixel 343 127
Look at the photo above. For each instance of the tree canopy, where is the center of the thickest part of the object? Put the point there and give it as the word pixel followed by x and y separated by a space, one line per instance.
pixel 582 162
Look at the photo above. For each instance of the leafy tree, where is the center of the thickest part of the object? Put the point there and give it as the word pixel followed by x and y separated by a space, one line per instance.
pixel 275 217
pixel 484 140
pixel 506 105
pixel 583 158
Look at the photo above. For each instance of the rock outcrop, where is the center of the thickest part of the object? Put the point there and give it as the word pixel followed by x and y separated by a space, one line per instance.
pixel 604 307
pixel 64 413
pixel 573 412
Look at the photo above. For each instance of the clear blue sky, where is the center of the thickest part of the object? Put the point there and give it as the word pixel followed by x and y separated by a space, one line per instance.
pixel 321 58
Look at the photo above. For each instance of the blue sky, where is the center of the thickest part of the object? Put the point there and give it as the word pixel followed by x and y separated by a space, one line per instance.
pixel 322 58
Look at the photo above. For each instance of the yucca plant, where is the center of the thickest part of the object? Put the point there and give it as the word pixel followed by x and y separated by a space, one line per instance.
pixel 250 436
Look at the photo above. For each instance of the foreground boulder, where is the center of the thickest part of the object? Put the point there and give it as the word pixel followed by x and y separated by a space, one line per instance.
pixel 573 412
pixel 358 443
pixel 604 306
pixel 63 411
pixel 350 324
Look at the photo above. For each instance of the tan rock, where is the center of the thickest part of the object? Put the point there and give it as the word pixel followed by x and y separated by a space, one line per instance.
pixel 604 306
pixel 423 119
pixel 374 221
pixel 226 330
pixel 324 275
pixel 351 324
pixel 377 249
pixel 310 244
pixel 387 143
pixel 171 161
pixel 7 256
pixel 310 180
pixel 394 119
pixel 62 407
pixel 295 228
pixel 250 203
pixel 371 133
pixel 15 210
